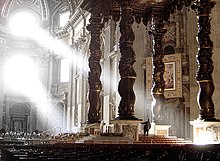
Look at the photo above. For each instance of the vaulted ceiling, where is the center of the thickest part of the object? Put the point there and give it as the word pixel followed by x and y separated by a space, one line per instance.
pixel 44 9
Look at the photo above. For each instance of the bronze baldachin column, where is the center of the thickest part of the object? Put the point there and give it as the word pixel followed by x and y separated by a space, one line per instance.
pixel 126 69
pixel 157 31
pixel 95 85
pixel 204 58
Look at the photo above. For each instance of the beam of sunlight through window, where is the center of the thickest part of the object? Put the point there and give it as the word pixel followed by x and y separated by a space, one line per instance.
pixel 20 72
pixel 20 75
pixel 58 47
pixel 64 70
pixel 44 39
pixel 35 90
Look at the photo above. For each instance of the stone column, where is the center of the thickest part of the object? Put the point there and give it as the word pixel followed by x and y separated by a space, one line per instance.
pixel 65 103
pixel 181 109
pixel 204 58
pixel 95 85
pixel 126 69
pixel 157 31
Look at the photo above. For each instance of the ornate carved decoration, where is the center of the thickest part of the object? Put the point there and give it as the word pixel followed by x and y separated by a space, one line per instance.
pixel 115 12
pixel 169 39
pixel 75 17
pixel 157 31
pixel 43 59
pixel 26 2
pixel 129 130
pixel 204 56
pixel 53 5
pixel 126 69
pixel 176 5
pixel 95 85
pixel 6 8
pixel 138 16
pixel 44 9
pixel 6 43
pixel 171 7
pixel 39 6
pixel 106 10
pixel 19 109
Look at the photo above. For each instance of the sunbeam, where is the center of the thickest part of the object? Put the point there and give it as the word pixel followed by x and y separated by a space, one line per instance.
pixel 28 82
pixel 21 76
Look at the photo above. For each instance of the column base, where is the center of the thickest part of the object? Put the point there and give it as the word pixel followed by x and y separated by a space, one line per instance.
pixel 130 128
pixel 93 129
pixel 126 118
pixel 206 132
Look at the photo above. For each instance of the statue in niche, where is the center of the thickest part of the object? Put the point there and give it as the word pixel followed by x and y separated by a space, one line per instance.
pixel 170 35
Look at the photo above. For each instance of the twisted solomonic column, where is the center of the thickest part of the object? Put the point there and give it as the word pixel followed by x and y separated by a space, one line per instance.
pixel 126 69
pixel 204 58
pixel 157 31
pixel 95 85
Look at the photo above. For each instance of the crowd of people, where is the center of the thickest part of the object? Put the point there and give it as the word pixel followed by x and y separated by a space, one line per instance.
pixel 40 136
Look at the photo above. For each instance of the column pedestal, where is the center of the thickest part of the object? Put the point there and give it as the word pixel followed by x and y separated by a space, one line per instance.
pixel 206 132
pixel 130 128
pixel 93 129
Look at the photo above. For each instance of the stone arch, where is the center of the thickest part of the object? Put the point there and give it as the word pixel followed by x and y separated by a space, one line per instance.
pixel 59 7
pixel 45 12
pixel 19 117
pixel 169 49
pixel 21 109
pixel 186 92
pixel 12 7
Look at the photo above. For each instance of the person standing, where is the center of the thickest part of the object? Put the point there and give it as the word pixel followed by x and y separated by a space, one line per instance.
pixel 147 126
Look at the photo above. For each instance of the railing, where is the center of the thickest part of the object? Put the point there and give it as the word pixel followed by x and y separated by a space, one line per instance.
pixel 51 130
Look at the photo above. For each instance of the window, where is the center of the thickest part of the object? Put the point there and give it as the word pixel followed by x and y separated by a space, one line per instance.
pixel 64 18
pixel 23 23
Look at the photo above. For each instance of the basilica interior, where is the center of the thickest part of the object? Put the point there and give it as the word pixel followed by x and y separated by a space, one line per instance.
pixel 103 67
